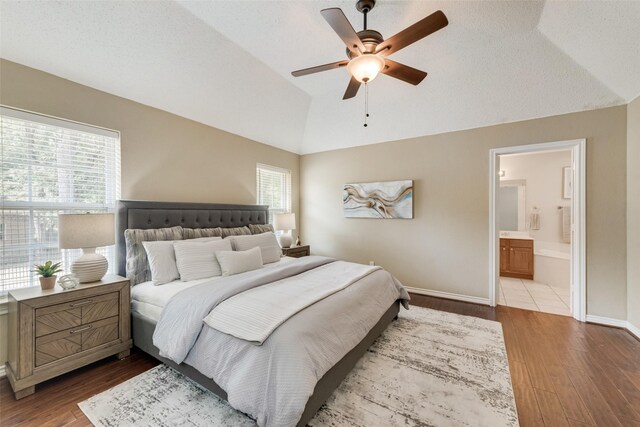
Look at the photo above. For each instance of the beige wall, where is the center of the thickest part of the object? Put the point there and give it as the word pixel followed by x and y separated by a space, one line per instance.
pixel 633 213
pixel 445 247
pixel 164 157
pixel 543 175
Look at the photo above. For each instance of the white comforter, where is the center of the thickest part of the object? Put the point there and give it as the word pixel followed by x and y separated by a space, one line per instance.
pixel 272 382
pixel 254 314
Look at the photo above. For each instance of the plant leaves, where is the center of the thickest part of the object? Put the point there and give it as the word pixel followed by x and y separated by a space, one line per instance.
pixel 48 269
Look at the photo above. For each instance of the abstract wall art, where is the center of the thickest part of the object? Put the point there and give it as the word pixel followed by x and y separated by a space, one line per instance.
pixel 388 199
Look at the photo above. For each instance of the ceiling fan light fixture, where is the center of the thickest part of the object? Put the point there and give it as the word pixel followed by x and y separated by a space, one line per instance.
pixel 366 67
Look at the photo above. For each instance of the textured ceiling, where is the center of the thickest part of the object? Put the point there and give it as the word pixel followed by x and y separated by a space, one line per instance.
pixel 228 63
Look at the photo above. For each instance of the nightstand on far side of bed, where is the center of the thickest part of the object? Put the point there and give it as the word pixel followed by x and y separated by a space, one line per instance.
pixel 297 251
pixel 54 331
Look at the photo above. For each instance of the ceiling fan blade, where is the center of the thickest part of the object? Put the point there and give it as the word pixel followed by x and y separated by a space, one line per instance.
pixel 352 89
pixel 403 72
pixel 412 34
pixel 319 68
pixel 340 24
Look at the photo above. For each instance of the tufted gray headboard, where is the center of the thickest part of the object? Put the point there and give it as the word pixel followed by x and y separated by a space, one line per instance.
pixel 144 215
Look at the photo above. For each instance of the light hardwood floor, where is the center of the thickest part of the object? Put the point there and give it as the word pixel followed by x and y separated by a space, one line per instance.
pixel 564 373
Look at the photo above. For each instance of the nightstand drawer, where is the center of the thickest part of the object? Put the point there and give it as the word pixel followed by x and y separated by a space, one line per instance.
pixel 56 346
pixel 61 317
pixel 102 332
pixel 62 344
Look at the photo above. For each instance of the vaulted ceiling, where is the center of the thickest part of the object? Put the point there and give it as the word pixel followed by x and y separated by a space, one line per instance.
pixel 228 63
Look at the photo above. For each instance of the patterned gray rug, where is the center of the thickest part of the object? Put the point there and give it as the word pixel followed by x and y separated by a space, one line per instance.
pixel 429 368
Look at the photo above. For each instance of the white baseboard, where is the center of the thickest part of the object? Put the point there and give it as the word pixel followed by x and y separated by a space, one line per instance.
pixel 2 372
pixel 633 329
pixel 448 295
pixel 608 321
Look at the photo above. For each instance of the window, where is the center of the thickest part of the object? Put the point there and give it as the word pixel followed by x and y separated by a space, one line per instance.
pixel 274 189
pixel 50 166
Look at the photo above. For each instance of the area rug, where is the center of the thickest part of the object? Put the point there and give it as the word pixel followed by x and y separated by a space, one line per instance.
pixel 429 368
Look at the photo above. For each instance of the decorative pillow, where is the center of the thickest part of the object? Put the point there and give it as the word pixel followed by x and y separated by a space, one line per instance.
pixel 137 265
pixel 267 242
pixel 162 261
pixel 195 233
pixel 204 239
pixel 260 228
pixel 237 231
pixel 197 259
pixel 235 262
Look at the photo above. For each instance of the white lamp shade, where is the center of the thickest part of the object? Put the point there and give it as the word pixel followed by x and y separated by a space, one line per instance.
pixel 284 222
pixel 365 68
pixel 86 230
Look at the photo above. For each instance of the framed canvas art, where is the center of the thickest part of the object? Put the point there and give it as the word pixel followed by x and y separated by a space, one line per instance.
pixel 387 199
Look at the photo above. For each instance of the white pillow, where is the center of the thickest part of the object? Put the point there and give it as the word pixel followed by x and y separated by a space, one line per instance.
pixel 197 259
pixel 235 262
pixel 267 243
pixel 162 261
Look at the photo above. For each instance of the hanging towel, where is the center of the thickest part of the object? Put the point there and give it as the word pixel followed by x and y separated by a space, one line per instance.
pixel 566 224
pixel 534 220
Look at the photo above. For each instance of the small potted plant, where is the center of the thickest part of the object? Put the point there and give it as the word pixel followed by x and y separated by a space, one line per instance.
pixel 47 272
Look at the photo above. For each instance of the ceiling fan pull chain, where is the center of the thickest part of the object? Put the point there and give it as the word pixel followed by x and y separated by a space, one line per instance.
pixel 366 103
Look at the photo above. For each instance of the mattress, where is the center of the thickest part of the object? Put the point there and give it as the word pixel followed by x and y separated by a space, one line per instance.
pixel 148 300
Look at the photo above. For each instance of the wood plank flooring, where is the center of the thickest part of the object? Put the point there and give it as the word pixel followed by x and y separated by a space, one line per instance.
pixel 564 373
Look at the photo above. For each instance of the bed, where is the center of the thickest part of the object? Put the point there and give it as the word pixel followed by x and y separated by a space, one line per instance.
pixel 148 303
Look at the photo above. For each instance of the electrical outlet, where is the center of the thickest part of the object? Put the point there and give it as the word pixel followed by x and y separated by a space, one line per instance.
pixel 372 263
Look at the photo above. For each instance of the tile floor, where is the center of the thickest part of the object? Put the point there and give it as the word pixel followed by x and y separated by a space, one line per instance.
pixel 530 295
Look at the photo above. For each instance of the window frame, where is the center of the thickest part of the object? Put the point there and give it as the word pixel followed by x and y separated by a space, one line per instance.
pixel 112 169
pixel 287 196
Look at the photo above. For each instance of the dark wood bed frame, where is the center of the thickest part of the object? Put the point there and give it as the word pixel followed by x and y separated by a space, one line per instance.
pixel 147 215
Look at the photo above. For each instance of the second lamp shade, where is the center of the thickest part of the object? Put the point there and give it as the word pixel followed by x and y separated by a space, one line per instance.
pixel 284 222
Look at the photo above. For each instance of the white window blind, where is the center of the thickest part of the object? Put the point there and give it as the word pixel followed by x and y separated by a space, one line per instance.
pixel 50 166
pixel 274 189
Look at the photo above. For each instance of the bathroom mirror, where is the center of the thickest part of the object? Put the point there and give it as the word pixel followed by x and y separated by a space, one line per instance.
pixel 511 205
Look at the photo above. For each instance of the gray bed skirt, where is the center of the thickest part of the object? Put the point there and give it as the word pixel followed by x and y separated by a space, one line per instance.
pixel 143 328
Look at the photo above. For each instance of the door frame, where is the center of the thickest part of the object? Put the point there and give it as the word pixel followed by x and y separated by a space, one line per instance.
pixel 578 218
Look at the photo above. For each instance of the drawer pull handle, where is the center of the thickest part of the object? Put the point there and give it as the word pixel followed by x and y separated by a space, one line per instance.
pixel 81 329
pixel 78 304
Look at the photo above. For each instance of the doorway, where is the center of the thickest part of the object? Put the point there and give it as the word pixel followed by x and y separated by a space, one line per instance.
pixel 537 242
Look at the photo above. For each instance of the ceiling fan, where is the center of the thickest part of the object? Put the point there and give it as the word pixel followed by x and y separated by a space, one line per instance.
pixel 367 50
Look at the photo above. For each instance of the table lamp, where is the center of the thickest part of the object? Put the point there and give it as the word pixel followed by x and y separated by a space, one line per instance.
pixel 87 232
pixel 285 222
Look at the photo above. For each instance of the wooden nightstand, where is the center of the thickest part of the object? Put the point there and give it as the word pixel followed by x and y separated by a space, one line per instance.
pixel 55 331
pixel 297 251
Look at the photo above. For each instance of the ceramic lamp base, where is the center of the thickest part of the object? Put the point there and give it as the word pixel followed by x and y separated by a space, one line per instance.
pixel 286 240
pixel 90 266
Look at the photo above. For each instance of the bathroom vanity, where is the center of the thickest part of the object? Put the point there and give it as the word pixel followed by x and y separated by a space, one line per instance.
pixel 516 246
pixel 516 257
